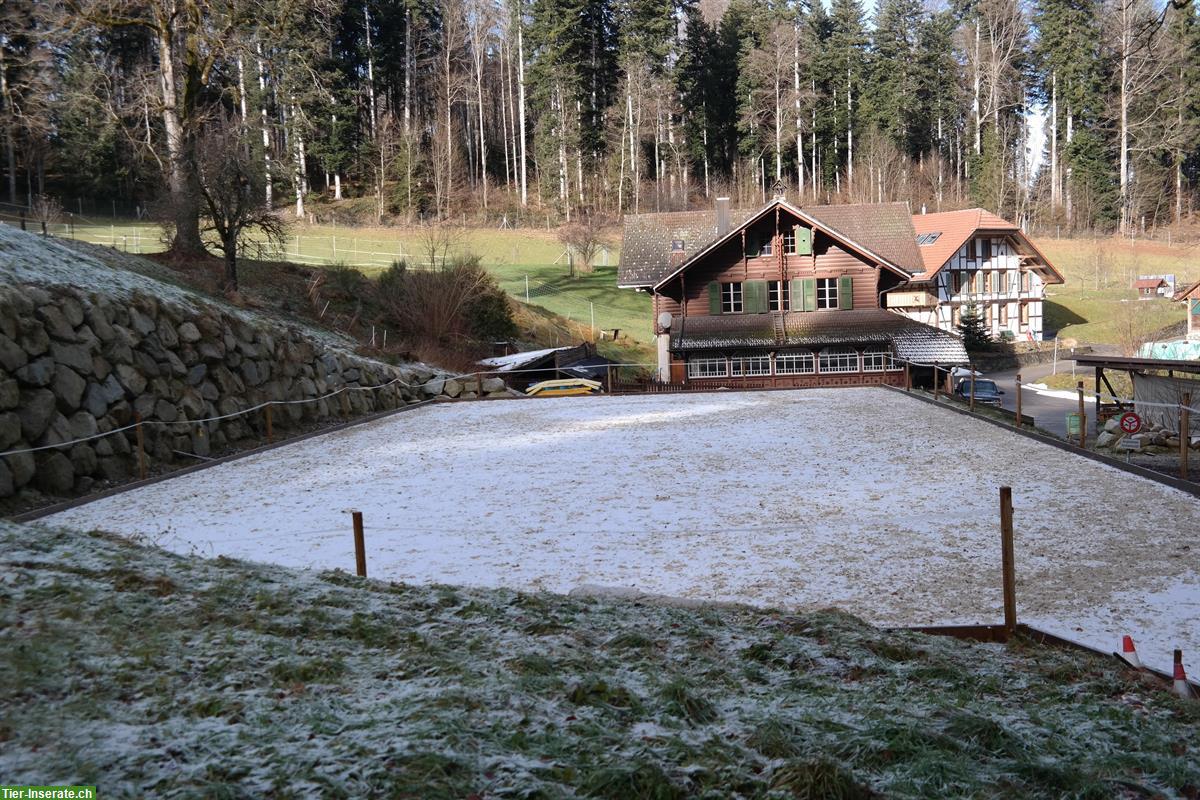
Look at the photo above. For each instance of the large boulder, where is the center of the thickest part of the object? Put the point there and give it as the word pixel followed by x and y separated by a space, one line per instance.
pixel 39 372
pixel 76 356
pixel 491 385
pixel 188 332
pixel 452 388
pixel 10 430
pixel 55 474
pixel 131 379
pixel 69 388
pixel 23 467
pixel 12 355
pixel 94 401
pixel 36 410
pixel 56 323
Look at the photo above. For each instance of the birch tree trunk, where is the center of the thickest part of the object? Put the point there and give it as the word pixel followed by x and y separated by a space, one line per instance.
pixel 521 90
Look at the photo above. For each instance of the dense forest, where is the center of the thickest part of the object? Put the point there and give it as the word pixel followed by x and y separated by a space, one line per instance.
pixel 505 109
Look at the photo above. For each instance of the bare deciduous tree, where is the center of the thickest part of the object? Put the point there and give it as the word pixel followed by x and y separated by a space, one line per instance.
pixel 584 239
pixel 231 186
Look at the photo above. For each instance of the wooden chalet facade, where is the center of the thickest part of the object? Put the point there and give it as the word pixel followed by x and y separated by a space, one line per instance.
pixel 782 296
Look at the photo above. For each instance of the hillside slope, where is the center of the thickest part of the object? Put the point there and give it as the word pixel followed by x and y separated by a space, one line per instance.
pixel 150 674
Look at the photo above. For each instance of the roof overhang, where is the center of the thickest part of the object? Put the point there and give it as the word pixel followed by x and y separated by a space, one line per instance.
pixel 1022 240
pixel 815 223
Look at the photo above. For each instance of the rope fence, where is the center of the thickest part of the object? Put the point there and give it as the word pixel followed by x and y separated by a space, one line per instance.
pixel 480 374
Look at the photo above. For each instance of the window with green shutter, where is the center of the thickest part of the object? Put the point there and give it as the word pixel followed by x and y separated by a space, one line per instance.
pixel 714 298
pixel 803 241
pixel 809 293
pixel 845 292
pixel 754 297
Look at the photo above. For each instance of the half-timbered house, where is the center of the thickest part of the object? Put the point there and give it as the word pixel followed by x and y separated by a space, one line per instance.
pixel 797 296
pixel 975 258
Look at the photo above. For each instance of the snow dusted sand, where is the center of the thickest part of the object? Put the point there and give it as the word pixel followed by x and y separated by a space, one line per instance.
pixel 858 498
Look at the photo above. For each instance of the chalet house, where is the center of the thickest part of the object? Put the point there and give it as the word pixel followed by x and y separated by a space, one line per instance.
pixel 823 295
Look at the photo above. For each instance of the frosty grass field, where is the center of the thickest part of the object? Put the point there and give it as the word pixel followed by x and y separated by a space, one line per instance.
pixel 862 499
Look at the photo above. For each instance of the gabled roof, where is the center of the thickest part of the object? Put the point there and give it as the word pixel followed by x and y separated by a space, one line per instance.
pixel 646 247
pixel 956 227
pixel 882 228
pixel 1187 291
pixel 857 233
pixel 1149 283
pixel 913 341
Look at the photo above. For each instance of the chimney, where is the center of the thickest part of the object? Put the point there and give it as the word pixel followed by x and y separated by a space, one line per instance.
pixel 722 216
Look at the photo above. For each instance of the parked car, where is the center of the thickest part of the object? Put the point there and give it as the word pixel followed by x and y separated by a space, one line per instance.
pixel 986 391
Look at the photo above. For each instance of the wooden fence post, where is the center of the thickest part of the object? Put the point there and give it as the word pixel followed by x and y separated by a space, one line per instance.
pixel 1184 434
pixel 479 385
pixel 360 547
pixel 1017 418
pixel 937 380
pixel 141 446
pixel 907 377
pixel 972 368
pixel 1082 416
pixel 1006 558
pixel 270 428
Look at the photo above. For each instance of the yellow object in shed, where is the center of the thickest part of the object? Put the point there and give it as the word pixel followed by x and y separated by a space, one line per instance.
pixel 564 387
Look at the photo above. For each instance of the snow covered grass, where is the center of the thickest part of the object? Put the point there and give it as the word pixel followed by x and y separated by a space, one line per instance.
pixel 864 499
pixel 153 674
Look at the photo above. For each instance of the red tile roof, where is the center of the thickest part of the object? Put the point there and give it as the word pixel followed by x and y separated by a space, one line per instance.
pixel 1149 283
pixel 955 227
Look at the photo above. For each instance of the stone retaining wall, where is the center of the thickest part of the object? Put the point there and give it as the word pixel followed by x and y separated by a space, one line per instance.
pixel 74 364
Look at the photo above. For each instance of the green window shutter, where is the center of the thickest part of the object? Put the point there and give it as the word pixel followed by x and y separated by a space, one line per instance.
pixel 754 297
pixel 803 241
pixel 714 298
pixel 845 292
pixel 796 294
pixel 809 294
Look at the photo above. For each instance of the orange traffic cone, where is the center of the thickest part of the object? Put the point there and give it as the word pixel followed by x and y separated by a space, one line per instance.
pixel 1182 687
pixel 1129 652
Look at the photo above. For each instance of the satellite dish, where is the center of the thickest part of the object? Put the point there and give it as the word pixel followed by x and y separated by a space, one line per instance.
pixel 664 320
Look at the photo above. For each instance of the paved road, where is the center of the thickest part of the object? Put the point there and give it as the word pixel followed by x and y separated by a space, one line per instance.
pixel 1049 413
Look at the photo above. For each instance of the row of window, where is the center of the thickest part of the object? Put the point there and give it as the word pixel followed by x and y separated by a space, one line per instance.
pixel 799 362
pixel 779 296
pixel 986 281
pixel 993 312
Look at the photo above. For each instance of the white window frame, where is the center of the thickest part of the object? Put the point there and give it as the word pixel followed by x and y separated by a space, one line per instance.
pixel 879 360
pixel 827 294
pixel 795 363
pixel 789 242
pixel 833 360
pixel 773 296
pixel 731 298
pixel 707 367
pixel 750 366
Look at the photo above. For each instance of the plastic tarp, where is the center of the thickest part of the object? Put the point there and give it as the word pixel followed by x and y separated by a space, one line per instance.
pixel 1178 350
pixel 1150 390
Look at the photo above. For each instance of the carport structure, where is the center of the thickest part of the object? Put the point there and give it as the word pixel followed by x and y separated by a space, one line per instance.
pixel 1144 367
